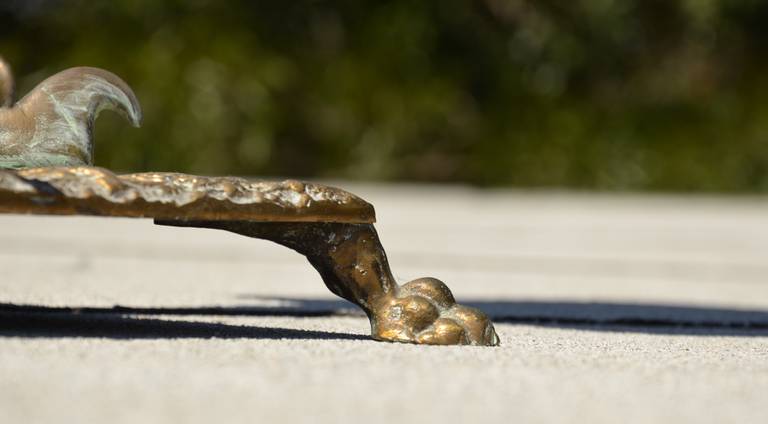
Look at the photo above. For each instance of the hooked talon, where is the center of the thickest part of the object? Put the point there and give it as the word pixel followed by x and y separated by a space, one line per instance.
pixel 52 125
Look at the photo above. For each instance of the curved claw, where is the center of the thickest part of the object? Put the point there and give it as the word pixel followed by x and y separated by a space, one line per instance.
pixel 52 125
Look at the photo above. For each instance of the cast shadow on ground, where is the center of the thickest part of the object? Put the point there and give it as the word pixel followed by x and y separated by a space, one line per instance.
pixel 589 316
pixel 123 323
pixel 145 323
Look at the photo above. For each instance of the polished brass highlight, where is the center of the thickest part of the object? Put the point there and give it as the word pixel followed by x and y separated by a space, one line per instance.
pixel 46 143
pixel 331 227
pixel 6 84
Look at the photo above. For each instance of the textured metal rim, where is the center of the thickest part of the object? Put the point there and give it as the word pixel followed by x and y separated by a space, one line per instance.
pixel 97 191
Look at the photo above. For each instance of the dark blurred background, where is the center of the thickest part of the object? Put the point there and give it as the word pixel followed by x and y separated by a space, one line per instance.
pixel 595 94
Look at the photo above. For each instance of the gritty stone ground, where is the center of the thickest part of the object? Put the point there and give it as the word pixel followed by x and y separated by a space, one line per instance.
pixel 609 308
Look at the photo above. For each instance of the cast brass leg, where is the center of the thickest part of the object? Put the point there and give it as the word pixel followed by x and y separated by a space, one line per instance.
pixel 47 137
pixel 353 264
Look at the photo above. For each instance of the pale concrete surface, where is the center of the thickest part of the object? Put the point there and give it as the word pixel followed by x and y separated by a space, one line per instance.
pixel 610 309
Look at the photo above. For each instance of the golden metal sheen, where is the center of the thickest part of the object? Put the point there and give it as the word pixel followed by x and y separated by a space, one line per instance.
pixel 331 227
pixel 89 190
pixel 6 84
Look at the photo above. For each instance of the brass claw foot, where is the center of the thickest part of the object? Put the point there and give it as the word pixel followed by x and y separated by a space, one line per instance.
pixel 424 311
pixel 353 264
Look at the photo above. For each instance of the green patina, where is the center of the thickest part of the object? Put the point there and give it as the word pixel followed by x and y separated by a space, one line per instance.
pixel 33 160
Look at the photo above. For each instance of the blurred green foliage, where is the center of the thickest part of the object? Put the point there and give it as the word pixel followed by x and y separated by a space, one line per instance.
pixel 605 94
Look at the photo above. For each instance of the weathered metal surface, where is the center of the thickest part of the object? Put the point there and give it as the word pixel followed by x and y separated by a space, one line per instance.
pixel 97 191
pixel 52 125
